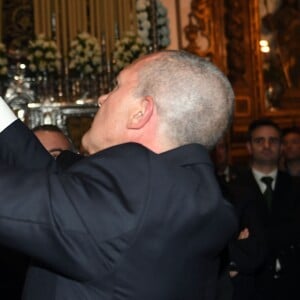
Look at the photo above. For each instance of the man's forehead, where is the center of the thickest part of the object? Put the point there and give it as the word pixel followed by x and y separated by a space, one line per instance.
pixel 265 130
pixel 127 75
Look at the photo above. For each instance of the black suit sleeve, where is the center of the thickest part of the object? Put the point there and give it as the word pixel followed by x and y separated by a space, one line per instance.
pixel 19 147
pixel 247 254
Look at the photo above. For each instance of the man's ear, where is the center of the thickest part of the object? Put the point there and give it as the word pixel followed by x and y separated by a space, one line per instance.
pixel 142 113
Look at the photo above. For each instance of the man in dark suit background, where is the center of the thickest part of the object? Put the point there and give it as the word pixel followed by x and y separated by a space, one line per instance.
pixel 246 252
pixel 291 151
pixel 142 216
pixel 275 197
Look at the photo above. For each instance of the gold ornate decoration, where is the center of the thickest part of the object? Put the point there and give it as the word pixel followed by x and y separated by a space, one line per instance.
pixel 205 31
pixel 1 18
pixel 200 21
pixel 18 19
pixel 66 18
pixel 235 27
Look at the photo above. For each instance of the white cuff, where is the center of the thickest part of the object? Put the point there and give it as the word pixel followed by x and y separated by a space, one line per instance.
pixel 6 115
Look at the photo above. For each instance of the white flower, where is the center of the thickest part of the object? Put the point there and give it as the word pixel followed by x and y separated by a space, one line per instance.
pixel 128 49
pixel 143 9
pixel 42 66
pixel 85 55
pixel 43 55
pixel 96 61
pixel 146 25
pixel 49 55
pixel 88 69
pixel 134 48
pixel 141 5
pixel 143 16
pixel 144 35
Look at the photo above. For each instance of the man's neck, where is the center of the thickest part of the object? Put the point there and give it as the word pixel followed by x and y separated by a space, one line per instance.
pixel 264 168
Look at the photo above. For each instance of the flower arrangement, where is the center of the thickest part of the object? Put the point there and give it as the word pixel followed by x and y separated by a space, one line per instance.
pixel 129 48
pixel 134 45
pixel 85 55
pixel 3 61
pixel 43 56
pixel 143 9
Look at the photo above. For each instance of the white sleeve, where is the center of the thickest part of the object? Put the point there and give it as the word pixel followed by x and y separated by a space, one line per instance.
pixel 7 116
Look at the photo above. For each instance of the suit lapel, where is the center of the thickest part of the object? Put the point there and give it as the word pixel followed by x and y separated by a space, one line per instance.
pixel 258 196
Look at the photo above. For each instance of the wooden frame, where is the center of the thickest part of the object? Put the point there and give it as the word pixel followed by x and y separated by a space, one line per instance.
pixel 204 31
pixel 243 107
pixel 282 24
pixel 233 29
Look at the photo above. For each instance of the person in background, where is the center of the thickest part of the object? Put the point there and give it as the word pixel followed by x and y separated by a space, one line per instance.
pixel 57 143
pixel 13 265
pixel 53 139
pixel 246 251
pixel 141 217
pixel 291 150
pixel 275 197
pixel 225 171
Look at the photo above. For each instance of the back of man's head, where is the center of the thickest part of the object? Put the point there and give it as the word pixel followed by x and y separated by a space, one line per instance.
pixel 193 97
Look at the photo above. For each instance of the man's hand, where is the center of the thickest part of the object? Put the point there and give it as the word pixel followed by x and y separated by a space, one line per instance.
pixel 244 234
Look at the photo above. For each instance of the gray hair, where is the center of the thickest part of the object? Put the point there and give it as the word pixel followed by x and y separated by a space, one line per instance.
pixel 193 97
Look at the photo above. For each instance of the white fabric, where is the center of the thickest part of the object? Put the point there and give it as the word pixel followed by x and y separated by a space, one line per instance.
pixel 7 116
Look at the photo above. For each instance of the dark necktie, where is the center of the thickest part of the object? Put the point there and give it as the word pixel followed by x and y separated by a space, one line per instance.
pixel 268 193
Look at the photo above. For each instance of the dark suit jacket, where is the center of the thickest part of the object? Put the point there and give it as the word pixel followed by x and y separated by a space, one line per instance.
pixel 280 228
pixel 13 266
pixel 279 223
pixel 125 223
pixel 246 256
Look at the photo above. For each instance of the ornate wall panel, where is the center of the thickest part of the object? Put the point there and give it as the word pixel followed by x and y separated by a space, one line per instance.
pixel 17 23
pixel 280 27
pixel 204 33
pixel 244 68
pixel 231 28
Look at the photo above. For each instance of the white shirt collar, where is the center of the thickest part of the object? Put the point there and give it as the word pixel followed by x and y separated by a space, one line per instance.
pixel 258 175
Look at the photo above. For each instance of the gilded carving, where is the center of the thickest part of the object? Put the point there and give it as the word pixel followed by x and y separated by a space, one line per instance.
pixel 18 23
pixel 198 32
pixel 236 53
